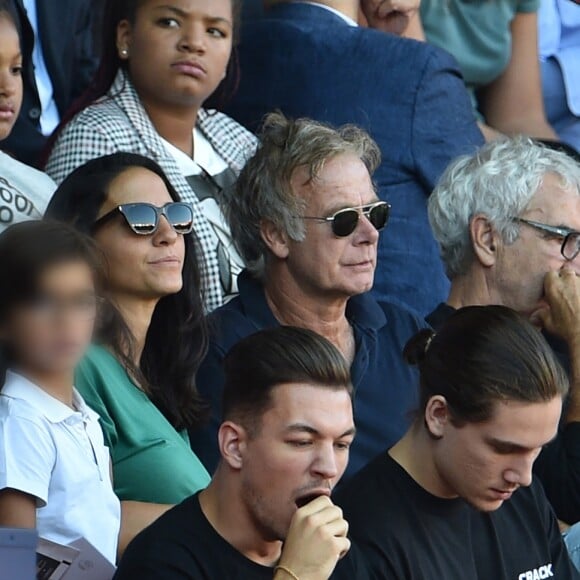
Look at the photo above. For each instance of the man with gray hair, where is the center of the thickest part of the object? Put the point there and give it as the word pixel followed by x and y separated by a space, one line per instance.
pixel 507 220
pixel 306 219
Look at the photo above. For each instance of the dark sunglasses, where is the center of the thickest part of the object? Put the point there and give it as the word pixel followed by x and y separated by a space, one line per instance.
pixel 143 218
pixel 345 221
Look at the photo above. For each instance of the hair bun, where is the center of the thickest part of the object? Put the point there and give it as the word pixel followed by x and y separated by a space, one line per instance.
pixel 416 349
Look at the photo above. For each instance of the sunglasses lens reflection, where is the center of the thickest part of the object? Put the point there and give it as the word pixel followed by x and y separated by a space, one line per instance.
pixel 141 218
pixel 180 216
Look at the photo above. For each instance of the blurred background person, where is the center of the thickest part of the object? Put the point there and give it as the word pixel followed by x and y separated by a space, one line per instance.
pixel 495 44
pixel 559 22
pixel 57 42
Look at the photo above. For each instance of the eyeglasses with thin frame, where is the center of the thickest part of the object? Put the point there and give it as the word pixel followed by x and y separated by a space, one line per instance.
pixel 143 218
pixel 570 238
pixel 345 221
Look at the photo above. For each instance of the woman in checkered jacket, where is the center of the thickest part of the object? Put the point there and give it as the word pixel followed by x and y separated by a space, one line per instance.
pixel 162 62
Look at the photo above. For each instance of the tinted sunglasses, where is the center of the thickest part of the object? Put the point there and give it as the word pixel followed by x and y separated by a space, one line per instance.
pixel 143 218
pixel 345 221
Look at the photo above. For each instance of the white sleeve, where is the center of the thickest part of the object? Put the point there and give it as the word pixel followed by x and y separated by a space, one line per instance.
pixel 27 457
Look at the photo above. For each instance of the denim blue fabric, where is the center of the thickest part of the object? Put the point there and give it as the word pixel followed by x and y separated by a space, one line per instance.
pixel 308 62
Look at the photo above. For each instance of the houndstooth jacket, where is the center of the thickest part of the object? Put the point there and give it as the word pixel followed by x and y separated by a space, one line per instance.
pixel 118 122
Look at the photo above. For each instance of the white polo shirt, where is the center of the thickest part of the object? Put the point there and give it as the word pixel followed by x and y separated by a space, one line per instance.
pixel 58 455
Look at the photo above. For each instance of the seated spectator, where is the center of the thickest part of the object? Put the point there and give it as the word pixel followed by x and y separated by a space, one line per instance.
pixel 24 191
pixel 496 46
pixel 161 62
pixel 507 220
pixel 284 444
pixel 455 498
pixel 559 22
pixel 54 466
pixel 309 59
pixel 140 376
pixel 60 63
pixel 306 219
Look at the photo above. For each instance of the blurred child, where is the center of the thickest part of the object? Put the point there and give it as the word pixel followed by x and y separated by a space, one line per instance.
pixel 54 466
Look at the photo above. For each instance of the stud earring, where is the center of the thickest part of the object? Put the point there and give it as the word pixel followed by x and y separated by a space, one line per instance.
pixel 124 52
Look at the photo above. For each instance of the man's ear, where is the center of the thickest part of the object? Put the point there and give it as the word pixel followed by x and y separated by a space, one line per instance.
pixel 275 239
pixel 232 439
pixel 485 240
pixel 437 416
pixel 124 34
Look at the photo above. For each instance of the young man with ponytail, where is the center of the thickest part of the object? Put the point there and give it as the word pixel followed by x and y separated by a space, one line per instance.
pixel 455 498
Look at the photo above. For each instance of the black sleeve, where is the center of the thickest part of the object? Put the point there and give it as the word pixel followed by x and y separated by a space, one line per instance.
pixel 352 567
pixel 149 570
pixel 86 60
pixel 562 566
pixel 558 468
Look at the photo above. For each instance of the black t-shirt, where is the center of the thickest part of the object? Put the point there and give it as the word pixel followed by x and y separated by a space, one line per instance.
pixel 182 545
pixel 407 533
pixel 558 466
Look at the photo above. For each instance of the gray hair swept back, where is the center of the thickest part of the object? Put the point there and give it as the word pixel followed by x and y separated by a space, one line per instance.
pixel 499 181
pixel 263 191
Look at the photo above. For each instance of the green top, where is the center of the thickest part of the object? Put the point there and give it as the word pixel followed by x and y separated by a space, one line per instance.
pixel 152 462
pixel 476 32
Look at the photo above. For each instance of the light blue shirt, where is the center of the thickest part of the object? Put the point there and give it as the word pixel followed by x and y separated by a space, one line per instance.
pixel 49 118
pixel 559 32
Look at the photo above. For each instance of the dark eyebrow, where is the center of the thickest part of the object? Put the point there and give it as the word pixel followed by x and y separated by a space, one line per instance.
pixel 303 428
pixel 183 14
pixel 173 9
pixel 510 447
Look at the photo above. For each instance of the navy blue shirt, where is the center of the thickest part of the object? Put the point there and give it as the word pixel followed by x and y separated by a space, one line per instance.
pixel 385 387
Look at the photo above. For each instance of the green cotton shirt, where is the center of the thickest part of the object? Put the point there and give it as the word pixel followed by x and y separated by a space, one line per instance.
pixel 477 33
pixel 152 462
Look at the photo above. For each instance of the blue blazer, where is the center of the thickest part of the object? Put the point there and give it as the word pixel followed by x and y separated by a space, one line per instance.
pixel 308 62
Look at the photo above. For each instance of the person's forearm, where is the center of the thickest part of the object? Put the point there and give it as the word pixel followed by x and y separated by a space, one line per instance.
pixel 135 517
pixel 538 128
pixel 489 133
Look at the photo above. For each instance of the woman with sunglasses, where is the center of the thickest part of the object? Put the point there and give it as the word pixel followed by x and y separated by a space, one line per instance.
pixel 307 220
pixel 140 375
pixel 162 61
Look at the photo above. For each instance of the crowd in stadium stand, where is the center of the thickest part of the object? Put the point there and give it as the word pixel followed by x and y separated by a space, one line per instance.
pixel 291 289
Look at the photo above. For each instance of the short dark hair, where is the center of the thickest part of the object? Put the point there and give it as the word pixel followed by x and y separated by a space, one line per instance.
pixel 482 355
pixel 27 251
pixel 270 358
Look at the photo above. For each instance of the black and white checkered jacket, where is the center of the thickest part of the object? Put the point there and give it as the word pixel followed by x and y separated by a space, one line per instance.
pixel 118 122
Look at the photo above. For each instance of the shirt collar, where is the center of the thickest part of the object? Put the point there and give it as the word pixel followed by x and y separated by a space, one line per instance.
pixel 18 387
pixel 363 310
pixel 346 18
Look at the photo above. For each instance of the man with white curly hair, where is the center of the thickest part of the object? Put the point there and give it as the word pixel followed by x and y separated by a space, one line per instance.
pixel 507 220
